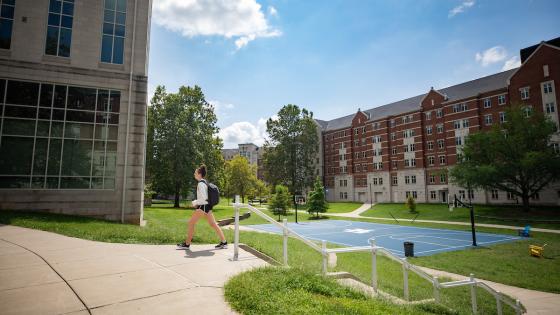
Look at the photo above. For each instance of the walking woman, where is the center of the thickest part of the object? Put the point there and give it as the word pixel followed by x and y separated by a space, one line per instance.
pixel 203 209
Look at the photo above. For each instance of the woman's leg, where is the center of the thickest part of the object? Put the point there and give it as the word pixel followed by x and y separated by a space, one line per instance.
pixel 191 224
pixel 214 225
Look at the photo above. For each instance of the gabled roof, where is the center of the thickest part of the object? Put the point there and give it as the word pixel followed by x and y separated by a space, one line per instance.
pixel 528 51
pixel 456 92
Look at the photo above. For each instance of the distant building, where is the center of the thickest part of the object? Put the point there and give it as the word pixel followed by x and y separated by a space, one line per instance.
pixel 251 152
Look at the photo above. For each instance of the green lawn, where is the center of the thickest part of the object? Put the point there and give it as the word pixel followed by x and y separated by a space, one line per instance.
pixel 502 263
pixel 343 207
pixel 545 217
pixel 275 290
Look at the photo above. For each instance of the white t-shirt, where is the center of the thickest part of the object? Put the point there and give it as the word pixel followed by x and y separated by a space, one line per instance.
pixel 201 194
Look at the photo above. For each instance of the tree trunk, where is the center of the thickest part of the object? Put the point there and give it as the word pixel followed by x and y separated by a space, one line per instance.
pixel 177 197
pixel 525 198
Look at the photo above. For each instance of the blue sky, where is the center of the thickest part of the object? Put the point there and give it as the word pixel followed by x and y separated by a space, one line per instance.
pixel 332 57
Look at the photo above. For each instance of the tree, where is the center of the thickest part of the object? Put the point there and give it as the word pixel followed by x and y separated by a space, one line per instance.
pixel 411 204
pixel 258 189
pixel 316 202
pixel 515 156
pixel 241 176
pixel 290 153
pixel 181 135
pixel 280 201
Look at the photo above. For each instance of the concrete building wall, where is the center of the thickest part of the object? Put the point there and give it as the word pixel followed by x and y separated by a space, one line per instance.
pixel 26 60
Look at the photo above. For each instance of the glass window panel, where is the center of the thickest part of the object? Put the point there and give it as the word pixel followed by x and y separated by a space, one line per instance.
pixel 76 159
pixel 106 48
pixel 58 114
pixel 115 101
pixel 66 21
pixel 109 16
pixel 97 183
pixel 78 131
pixel 10 2
pixel 108 28
pixel 119 30
pixel 121 5
pixel 18 127
pixel 113 133
pixel 59 96
pixel 45 113
pixel 15 156
pixel 101 131
pixel 56 129
pixel 74 183
pixel 110 4
pixel 68 8
pixel 65 42
pixel 79 116
pixel 14 182
pixel 111 159
pixel 5 33
pixel 54 6
pixel 103 100
pixel 22 93
pixel 37 182
pixel 109 183
pixel 52 41
pixel 121 18
pixel 20 112
pixel 46 95
pixel 7 12
pixel 54 158
pixel 81 98
pixel 98 158
pixel 40 159
pixel 52 182
pixel 54 19
pixel 2 89
pixel 118 50
pixel 43 128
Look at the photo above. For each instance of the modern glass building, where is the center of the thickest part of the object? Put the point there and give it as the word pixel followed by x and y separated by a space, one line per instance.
pixel 73 96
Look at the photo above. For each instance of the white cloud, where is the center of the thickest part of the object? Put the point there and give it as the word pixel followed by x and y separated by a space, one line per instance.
pixel 461 8
pixel 242 20
pixel 511 63
pixel 491 55
pixel 272 11
pixel 244 132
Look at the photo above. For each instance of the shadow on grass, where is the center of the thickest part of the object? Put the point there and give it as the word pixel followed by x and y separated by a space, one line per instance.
pixel 321 217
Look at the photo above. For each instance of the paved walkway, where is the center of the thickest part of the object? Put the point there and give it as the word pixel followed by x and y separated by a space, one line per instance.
pixel 536 302
pixel 47 273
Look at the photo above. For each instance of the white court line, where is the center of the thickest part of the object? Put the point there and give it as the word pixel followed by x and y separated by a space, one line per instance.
pixel 463 246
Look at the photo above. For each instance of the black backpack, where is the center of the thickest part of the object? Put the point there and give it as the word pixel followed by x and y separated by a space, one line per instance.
pixel 213 194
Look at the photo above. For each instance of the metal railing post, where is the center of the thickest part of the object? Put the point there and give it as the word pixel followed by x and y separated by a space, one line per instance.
pixel 324 253
pixel 285 245
pixel 405 281
pixel 518 310
pixel 498 303
pixel 236 231
pixel 436 290
pixel 473 294
pixel 373 265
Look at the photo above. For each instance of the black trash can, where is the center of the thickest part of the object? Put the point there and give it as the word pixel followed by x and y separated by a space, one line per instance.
pixel 408 249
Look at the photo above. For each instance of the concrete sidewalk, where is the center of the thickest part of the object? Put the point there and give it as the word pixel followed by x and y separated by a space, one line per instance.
pixel 47 273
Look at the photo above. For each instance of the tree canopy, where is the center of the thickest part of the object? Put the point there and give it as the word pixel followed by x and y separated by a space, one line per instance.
pixel 515 156
pixel 241 177
pixel 317 202
pixel 181 135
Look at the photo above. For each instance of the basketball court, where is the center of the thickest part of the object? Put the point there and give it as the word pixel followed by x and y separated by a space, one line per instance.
pixel 427 241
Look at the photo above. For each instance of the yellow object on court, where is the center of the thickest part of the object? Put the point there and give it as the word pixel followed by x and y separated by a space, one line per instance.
pixel 536 251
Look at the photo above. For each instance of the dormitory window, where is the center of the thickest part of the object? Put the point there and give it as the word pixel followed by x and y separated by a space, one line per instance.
pixel 395 180
pixel 495 194
pixel 441 144
pixel 458 141
pixel 550 108
pixel 431 160
pixel 393 136
pixel 528 110
pixel 439 113
pixel 488 119
pixel 442 159
pixel 466 123
pixel 412 194
pixel 457 124
pixel 440 128
pixel 429 130
pixel 524 93
pixel 112 46
pixel 510 196
pixel 430 145
pixel 462 195
pixel 487 103
pixel 413 179
pixel 58 136
pixel 433 194
pixel 6 22
pixel 380 181
pixel 501 99
pixel 394 164
pixel 59 30
pixel 547 87
pixel 502 117
pixel 442 178
pixel 428 115
pixel 432 179
pixel 407 179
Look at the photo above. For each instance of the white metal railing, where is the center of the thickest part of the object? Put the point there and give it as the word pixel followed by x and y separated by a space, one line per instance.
pixel 375 251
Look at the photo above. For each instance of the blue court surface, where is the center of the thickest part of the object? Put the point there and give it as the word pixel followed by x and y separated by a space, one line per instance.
pixel 427 241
